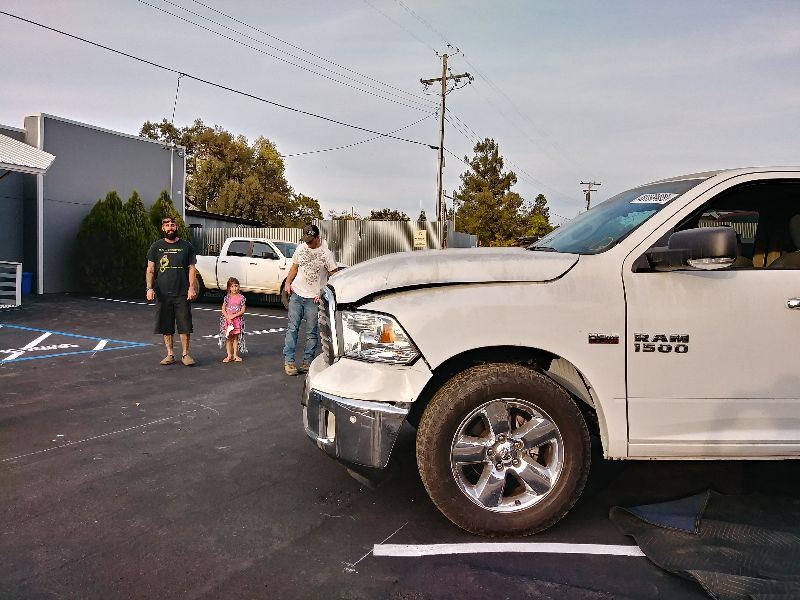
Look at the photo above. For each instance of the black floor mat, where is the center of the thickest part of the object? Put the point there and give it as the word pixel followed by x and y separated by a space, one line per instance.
pixel 736 547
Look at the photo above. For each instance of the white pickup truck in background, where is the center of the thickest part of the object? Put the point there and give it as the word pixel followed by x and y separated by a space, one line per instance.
pixel 260 265
pixel 664 321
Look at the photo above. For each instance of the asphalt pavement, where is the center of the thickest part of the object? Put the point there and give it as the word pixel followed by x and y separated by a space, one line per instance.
pixel 121 478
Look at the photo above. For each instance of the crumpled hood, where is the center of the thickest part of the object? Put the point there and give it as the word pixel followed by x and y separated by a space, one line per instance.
pixel 457 265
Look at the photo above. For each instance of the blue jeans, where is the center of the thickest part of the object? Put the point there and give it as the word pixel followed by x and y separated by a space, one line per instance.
pixel 300 307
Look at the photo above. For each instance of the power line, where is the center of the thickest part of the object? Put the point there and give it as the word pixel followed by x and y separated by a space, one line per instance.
pixel 494 87
pixel 218 85
pixel 447 42
pixel 522 172
pixel 425 23
pixel 337 65
pixel 222 35
pixel 388 18
pixel 372 139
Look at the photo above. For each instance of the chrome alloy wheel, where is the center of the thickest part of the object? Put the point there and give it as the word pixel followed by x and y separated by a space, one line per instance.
pixel 507 455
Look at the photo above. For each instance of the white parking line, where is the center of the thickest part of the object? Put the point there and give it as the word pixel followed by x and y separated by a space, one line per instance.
pixel 26 347
pixel 501 547
pixel 193 307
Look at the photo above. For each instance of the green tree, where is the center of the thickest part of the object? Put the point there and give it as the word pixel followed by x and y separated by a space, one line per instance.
pixel 163 207
pixel 386 214
pixel 344 215
pixel 305 210
pixel 226 175
pixel 135 236
pixel 487 206
pixel 101 259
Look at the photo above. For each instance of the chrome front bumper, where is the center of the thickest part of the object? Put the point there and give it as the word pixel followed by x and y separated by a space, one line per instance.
pixel 355 432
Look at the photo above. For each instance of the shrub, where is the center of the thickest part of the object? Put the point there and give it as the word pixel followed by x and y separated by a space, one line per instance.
pixel 100 261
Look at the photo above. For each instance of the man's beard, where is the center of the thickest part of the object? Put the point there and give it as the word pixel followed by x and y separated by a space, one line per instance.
pixel 171 235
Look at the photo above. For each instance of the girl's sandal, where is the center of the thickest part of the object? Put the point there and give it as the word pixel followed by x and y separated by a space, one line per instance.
pixel 226 359
pixel 237 359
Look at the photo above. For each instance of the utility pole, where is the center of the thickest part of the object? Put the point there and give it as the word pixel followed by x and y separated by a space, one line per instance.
pixel 426 82
pixel 588 191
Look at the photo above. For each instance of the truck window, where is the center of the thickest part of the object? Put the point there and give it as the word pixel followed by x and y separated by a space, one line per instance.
pixel 286 248
pixel 263 250
pixel 239 248
pixel 766 218
pixel 608 223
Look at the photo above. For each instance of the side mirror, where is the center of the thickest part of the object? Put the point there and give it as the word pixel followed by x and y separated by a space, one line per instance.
pixel 705 248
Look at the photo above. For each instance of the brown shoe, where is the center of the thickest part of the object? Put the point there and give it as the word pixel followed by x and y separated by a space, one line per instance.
pixel 168 360
pixel 303 368
pixel 187 360
pixel 290 369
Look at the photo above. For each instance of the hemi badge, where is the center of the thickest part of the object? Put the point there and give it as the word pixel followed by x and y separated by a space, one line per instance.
pixel 602 338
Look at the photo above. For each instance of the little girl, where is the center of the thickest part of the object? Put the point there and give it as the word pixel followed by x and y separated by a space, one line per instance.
pixel 231 323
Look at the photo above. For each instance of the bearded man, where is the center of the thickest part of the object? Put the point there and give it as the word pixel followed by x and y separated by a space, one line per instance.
pixel 170 279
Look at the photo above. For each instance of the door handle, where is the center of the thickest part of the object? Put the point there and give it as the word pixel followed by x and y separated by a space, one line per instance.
pixel 224 261
pixel 253 263
pixel 793 303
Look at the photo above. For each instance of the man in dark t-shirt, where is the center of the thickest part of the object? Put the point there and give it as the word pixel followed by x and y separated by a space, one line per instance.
pixel 170 279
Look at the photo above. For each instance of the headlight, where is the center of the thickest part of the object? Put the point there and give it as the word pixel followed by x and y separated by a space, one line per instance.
pixel 376 338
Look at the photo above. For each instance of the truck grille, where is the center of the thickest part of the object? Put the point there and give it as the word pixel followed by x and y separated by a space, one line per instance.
pixel 327 325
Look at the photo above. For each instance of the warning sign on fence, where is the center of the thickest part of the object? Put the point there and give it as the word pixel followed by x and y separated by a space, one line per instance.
pixel 420 239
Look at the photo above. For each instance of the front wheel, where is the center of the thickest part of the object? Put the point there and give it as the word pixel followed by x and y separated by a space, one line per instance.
pixel 503 450
pixel 201 288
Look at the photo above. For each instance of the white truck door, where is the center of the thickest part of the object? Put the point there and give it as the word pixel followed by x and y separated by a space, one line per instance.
pixel 234 263
pixel 712 355
pixel 262 269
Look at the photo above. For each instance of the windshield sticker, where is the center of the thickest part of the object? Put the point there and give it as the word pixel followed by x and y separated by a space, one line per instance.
pixel 662 198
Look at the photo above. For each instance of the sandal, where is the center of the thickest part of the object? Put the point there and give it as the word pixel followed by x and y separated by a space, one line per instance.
pixel 237 359
pixel 168 360
pixel 226 359
pixel 187 360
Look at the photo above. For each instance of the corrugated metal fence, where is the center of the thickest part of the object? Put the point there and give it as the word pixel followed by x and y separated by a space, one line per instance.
pixel 352 242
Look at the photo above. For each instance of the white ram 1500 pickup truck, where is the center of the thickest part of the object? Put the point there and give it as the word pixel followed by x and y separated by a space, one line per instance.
pixel 664 320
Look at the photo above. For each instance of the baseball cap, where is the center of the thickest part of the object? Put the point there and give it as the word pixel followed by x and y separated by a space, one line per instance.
pixel 310 232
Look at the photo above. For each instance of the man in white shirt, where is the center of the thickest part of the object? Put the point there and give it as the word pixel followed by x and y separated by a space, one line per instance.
pixel 312 262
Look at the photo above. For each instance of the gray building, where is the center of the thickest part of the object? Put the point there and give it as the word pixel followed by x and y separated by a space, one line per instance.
pixel 40 214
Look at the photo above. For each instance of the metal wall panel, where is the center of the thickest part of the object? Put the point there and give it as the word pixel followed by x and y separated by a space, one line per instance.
pixel 351 242
pixel 209 240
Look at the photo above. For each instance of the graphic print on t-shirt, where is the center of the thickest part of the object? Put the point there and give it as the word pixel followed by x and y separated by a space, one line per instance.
pixel 313 265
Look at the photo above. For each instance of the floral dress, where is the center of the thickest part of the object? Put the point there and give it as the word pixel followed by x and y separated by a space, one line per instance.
pixel 233 304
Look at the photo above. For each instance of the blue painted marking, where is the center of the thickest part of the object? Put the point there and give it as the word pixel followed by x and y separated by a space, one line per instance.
pixel 126 344
pixel 16 360
pixel 86 337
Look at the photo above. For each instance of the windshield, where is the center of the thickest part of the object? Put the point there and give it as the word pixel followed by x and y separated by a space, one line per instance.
pixel 286 248
pixel 605 225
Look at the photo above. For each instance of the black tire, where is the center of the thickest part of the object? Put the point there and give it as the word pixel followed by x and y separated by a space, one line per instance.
pixel 201 288
pixel 446 418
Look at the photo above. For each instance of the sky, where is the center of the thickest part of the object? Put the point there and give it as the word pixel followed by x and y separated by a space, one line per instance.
pixel 616 92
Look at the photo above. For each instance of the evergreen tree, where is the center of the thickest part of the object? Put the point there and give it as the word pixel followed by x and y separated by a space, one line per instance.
pixel 101 262
pixel 136 235
pixel 163 207
pixel 488 208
